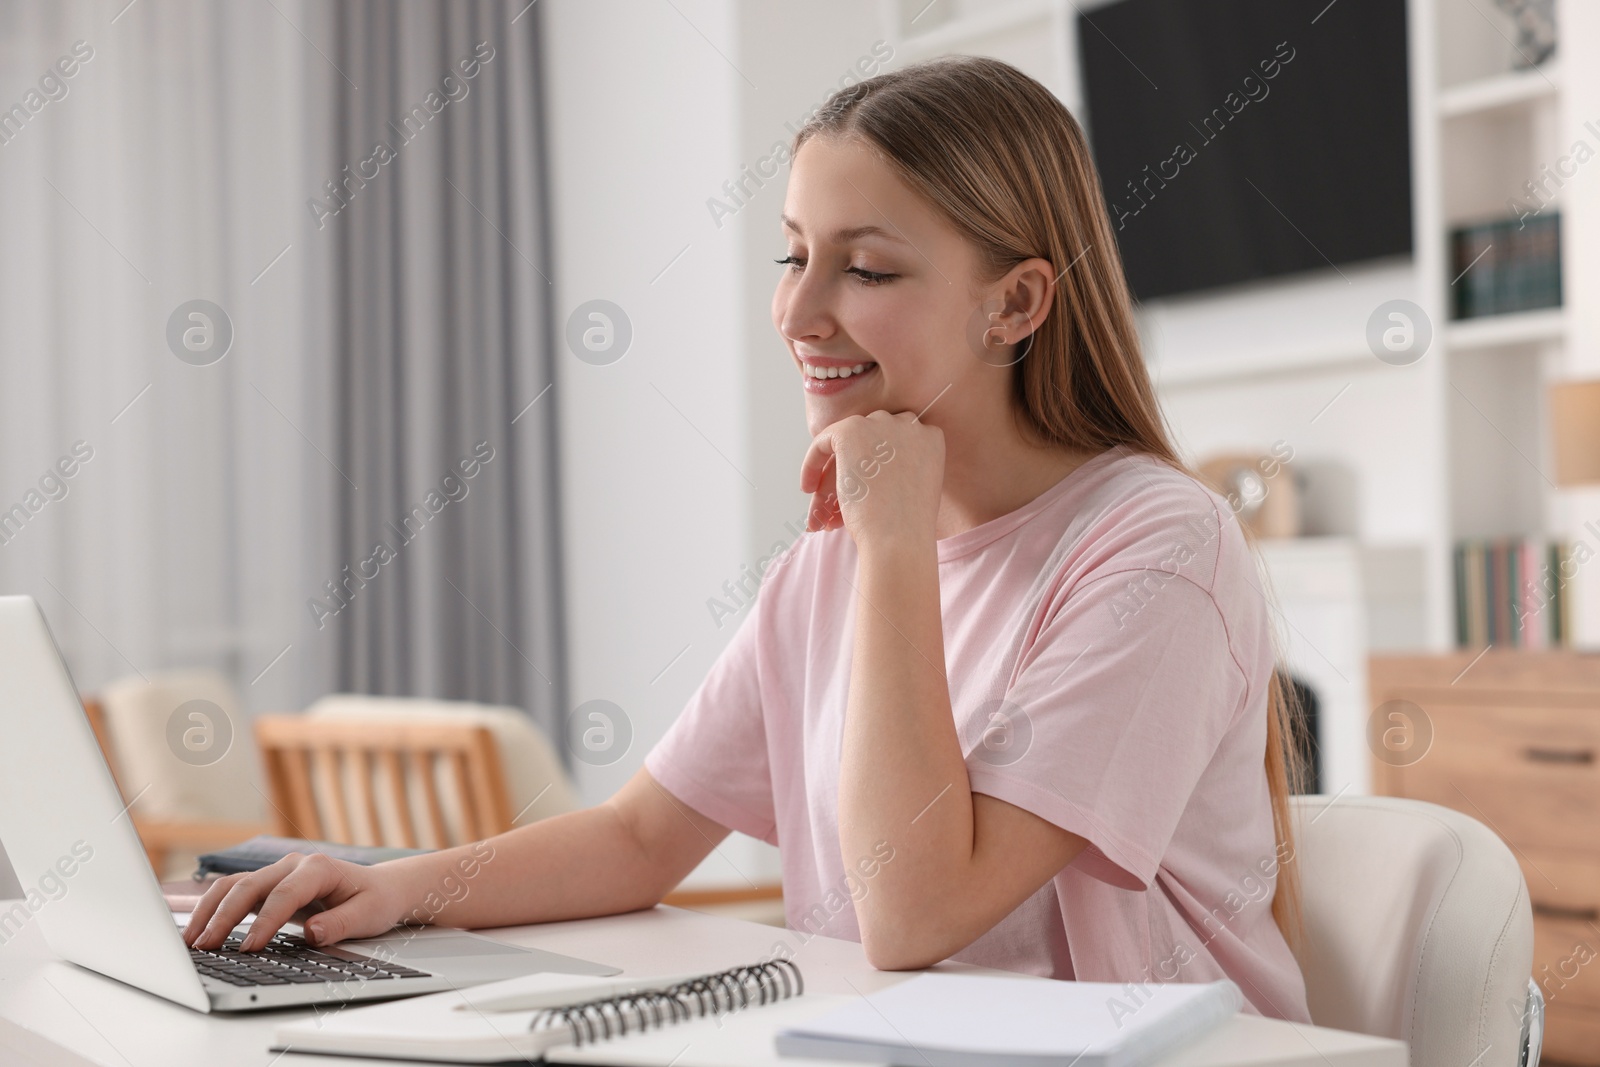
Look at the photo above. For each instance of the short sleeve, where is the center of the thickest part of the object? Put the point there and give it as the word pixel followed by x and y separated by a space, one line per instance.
pixel 1122 700
pixel 714 756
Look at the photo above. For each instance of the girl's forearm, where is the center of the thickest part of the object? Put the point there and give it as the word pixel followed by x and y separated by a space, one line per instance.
pixel 571 866
pixel 903 780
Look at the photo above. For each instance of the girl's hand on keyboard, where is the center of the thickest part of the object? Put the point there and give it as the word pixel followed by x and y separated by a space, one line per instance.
pixel 355 901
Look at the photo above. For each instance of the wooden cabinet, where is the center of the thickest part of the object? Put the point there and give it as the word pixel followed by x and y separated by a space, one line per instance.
pixel 1513 739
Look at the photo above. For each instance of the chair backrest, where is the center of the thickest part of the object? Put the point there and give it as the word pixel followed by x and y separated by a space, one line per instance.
pixel 1418 926
pixel 361 782
pixel 143 725
pixel 536 780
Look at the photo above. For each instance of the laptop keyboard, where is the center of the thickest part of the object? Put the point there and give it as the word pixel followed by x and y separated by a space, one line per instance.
pixel 290 960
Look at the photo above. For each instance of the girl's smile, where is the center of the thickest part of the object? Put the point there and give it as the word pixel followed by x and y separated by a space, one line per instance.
pixel 822 376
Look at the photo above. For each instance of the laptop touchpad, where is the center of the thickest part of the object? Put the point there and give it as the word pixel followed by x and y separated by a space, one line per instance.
pixel 426 948
pixel 468 958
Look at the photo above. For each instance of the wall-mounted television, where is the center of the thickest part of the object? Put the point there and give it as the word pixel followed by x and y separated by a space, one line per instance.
pixel 1247 139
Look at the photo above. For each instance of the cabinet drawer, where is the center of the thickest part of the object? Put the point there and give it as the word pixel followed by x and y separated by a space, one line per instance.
pixel 1563 886
pixel 1531 773
pixel 1571 1036
pixel 1566 963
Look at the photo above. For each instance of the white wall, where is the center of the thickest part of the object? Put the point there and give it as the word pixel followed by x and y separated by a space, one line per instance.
pixel 679 462
pixel 641 119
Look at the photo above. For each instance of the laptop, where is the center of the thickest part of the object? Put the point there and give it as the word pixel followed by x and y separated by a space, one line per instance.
pixel 89 888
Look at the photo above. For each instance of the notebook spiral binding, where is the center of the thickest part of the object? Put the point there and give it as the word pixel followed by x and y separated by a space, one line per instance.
pixel 595 1020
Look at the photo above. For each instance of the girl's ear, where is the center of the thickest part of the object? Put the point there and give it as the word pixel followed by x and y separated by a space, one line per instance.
pixel 1014 308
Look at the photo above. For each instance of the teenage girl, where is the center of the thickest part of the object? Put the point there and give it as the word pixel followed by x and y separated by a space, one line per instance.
pixel 1011 700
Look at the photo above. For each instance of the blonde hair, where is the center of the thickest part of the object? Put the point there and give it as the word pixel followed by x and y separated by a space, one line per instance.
pixel 1006 163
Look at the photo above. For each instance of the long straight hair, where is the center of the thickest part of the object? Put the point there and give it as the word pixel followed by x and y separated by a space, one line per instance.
pixel 1005 162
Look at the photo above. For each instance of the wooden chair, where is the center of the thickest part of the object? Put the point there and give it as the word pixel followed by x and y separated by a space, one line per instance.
pixel 162 837
pixel 324 776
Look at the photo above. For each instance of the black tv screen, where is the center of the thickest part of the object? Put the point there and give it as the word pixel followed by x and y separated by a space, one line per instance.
pixel 1243 139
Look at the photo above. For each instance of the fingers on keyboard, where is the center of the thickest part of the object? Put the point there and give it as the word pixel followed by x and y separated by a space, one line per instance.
pixel 295 890
pixel 207 907
pixel 241 898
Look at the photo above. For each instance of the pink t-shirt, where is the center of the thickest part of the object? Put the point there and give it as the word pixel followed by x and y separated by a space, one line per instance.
pixel 1108 652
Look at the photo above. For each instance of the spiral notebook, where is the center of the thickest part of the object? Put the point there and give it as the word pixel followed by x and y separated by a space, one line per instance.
pixel 557 1018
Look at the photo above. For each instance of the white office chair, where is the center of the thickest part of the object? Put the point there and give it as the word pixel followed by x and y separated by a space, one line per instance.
pixel 1417 927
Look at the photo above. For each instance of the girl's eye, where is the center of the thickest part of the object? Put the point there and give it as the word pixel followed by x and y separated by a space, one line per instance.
pixel 866 277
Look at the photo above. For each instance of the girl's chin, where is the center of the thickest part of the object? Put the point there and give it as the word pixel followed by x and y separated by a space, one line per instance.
pixel 824 411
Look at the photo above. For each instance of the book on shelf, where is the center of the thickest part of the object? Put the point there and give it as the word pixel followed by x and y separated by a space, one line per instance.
pixel 1512 593
pixel 1505 266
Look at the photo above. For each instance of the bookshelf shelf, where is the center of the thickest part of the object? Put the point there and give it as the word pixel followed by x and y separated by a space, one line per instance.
pixel 1501 91
pixel 1518 328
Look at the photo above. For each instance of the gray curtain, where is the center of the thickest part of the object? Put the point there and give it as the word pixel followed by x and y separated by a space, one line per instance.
pixel 429 283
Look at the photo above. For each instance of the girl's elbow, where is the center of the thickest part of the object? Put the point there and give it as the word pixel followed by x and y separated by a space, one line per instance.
pixel 899 950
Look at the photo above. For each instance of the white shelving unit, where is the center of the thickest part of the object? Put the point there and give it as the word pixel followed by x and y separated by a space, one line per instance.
pixel 1496 129
pixel 1522 328
pixel 1499 91
pixel 1417 457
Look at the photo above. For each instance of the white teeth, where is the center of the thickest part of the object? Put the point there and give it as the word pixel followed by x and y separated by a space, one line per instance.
pixel 813 371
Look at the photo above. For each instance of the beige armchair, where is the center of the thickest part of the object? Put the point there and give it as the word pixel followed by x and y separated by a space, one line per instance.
pixel 182 801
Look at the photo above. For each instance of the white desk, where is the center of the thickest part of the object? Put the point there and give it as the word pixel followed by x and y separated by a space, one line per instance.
pixel 53 1013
